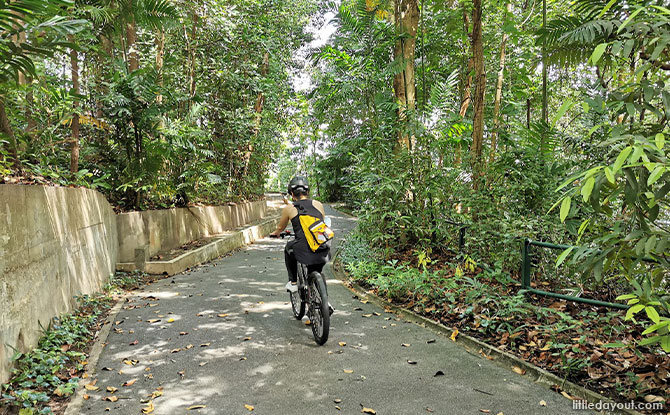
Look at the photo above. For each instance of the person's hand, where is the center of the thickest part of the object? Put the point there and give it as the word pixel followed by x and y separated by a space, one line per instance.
pixel 275 234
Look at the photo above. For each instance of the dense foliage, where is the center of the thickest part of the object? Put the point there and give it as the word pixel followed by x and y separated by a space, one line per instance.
pixel 154 102
pixel 417 171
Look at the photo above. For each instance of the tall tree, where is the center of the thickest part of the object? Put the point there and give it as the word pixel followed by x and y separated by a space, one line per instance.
pixel 74 148
pixel 499 87
pixel 406 18
pixel 480 89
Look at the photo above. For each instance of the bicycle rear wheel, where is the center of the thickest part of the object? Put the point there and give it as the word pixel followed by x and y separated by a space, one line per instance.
pixel 318 308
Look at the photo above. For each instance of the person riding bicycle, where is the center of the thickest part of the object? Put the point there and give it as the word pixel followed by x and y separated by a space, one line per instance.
pixel 298 249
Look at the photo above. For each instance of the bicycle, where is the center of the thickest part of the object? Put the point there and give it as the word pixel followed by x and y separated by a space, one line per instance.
pixel 312 292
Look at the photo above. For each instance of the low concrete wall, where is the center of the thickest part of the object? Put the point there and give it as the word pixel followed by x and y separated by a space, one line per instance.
pixel 55 243
pixel 162 230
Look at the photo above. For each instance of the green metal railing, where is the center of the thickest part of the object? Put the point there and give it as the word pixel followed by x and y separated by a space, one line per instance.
pixel 526 265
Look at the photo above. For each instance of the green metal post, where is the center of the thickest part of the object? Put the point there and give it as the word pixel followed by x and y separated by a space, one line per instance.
pixel 525 264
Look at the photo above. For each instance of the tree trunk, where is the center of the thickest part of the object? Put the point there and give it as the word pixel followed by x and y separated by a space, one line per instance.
pixel 131 40
pixel 465 102
pixel 480 89
pixel 160 54
pixel 406 18
pixel 190 45
pixel 545 98
pixel 6 128
pixel 74 149
pixel 498 98
pixel 258 110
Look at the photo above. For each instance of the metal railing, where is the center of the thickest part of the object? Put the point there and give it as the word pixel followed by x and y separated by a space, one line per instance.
pixel 526 265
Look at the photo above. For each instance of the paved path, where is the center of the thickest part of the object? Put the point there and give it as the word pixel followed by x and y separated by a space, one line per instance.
pixel 226 338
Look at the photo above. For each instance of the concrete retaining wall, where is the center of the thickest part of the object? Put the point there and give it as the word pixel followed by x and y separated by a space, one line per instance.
pixel 55 243
pixel 162 230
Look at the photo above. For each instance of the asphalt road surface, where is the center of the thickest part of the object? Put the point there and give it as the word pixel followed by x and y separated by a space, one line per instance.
pixel 221 339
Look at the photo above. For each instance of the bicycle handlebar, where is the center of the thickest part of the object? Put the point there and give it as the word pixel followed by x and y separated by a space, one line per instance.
pixel 283 234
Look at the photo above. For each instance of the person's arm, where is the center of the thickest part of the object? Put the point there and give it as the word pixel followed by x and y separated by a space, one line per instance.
pixel 319 206
pixel 283 221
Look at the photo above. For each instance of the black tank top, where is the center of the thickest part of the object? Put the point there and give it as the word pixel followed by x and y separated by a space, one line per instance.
pixel 302 251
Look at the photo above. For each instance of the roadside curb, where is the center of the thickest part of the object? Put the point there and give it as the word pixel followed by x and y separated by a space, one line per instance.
pixel 207 253
pixel 77 400
pixel 477 347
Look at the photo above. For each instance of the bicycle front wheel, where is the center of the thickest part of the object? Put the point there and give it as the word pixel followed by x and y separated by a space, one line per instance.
pixel 318 306
pixel 297 305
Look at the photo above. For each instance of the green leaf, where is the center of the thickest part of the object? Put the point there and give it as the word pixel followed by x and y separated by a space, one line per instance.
pixel 606 8
pixel 630 18
pixel 652 314
pixel 655 175
pixel 660 141
pixel 650 340
pixel 634 310
pixel 614 344
pixel 598 53
pixel 563 255
pixel 588 188
pixel 561 112
pixel 626 296
pixel 565 208
pixel 609 174
pixel 655 327
pixel 665 343
pixel 621 159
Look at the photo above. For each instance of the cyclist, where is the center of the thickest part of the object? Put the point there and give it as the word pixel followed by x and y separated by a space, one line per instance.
pixel 298 250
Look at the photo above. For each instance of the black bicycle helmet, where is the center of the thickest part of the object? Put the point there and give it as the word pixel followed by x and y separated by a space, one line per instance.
pixel 296 183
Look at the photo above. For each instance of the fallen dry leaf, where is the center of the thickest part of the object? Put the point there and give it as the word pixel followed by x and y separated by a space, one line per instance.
pixel 190 408
pixel 246 339
pixel 133 343
pixel 338 408
pixel 430 341
pixel 367 315
pixel 130 382
pixel 222 315
pixel 149 408
pixel 205 344
pixel 249 407
pixel 438 373
pixel 368 411
pixel 653 398
pixel 411 362
pixel 454 334
pixel 183 333
pixel 86 397
pixel 153 320
pixel 564 393
pixel 111 389
pixel 110 398
pixel 337 400
pixel 170 320
pixel 485 411
pixel 543 403
pixel 348 371
pixel 131 362
pixel 518 370
pixel 342 344
pixel 91 386
pixel 405 345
